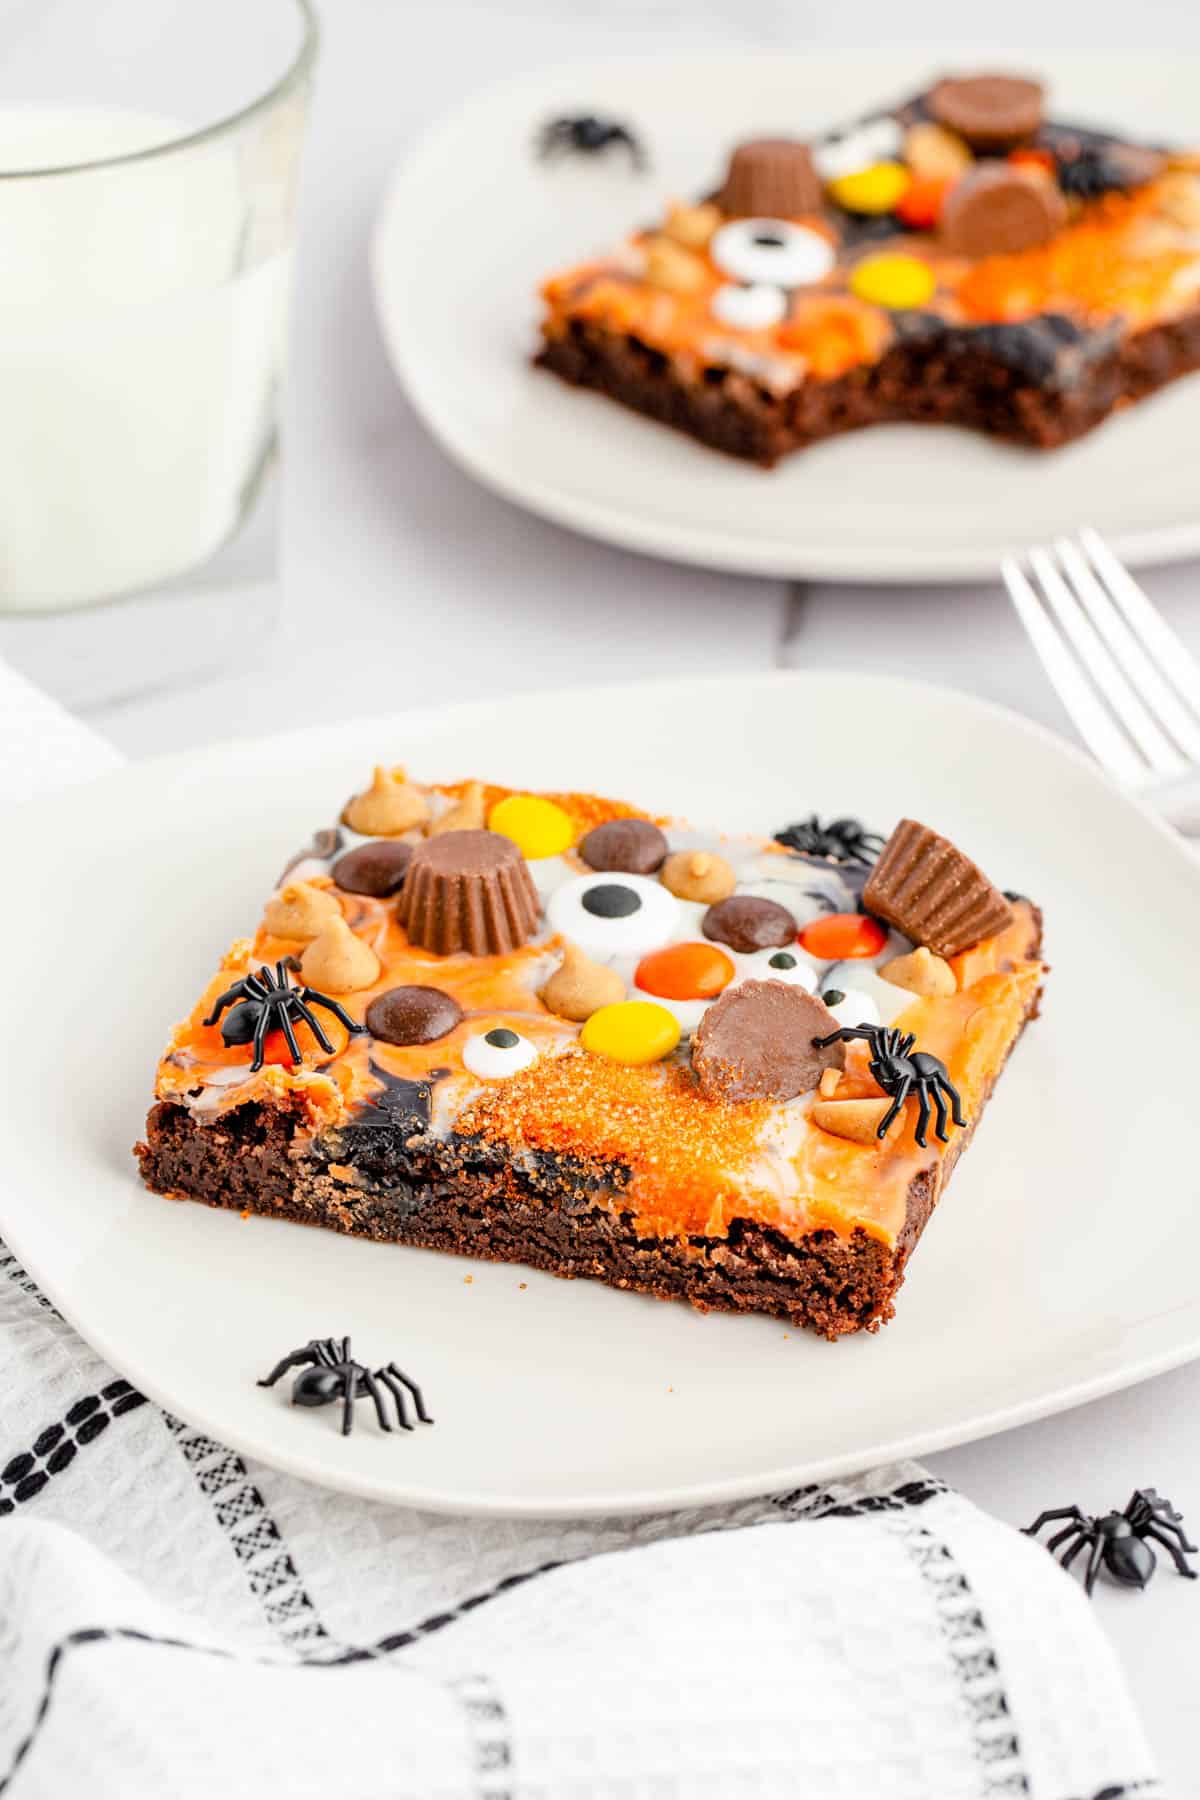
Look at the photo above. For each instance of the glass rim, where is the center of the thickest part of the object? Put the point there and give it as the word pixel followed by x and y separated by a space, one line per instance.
pixel 291 78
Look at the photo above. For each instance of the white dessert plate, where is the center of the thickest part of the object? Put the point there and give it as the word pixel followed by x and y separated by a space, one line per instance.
pixel 472 223
pixel 1061 1264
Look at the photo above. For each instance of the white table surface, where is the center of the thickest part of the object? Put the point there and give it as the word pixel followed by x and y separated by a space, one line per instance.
pixel 403 581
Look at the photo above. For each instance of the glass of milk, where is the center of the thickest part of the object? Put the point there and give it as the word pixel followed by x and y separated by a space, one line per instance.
pixel 148 162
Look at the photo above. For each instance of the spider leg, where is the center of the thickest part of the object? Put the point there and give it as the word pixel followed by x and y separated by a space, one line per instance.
pixel 922 1131
pixel 311 996
pixel 260 1038
pixel 1169 1544
pixel 846 1034
pixel 349 1396
pixel 397 1392
pixel 951 1092
pixel 1054 1512
pixel 898 1098
pixel 236 992
pixel 935 1094
pixel 372 1387
pixel 414 1390
pixel 309 1354
pixel 1060 1537
pixel 293 1047
pixel 1085 1537
pixel 310 1019
pixel 1093 1568
pixel 327 1351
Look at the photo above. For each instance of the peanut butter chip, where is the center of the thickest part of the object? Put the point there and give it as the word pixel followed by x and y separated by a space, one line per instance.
pixel 831 1080
pixel 935 154
pixel 300 911
pixel 579 987
pixel 389 806
pixel 921 972
pixel 468 814
pixel 858 1120
pixel 671 267
pixel 338 962
pixel 698 875
pixel 692 226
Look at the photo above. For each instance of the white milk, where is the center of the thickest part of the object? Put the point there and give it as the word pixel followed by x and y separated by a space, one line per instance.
pixel 138 358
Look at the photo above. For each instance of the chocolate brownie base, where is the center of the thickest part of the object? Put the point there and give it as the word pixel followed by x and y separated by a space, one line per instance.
pixel 1041 383
pixel 384 1181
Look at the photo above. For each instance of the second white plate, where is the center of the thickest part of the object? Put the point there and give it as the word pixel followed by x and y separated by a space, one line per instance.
pixel 1060 1265
pixel 472 223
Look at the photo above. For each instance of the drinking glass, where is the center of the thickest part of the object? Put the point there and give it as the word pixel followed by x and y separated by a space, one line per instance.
pixel 149 152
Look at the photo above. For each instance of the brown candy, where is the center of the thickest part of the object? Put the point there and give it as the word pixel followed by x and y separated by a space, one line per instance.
pixel 992 112
pixel 773 178
pixel 756 1043
pixel 634 846
pixel 377 869
pixel 997 210
pixel 468 890
pixel 412 1015
pixel 934 894
pixel 746 923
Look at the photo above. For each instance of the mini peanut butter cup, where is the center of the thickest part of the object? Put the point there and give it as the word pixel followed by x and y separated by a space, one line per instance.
pixel 992 112
pixel 757 1043
pixel 772 178
pixel 997 210
pixel 468 890
pixel 925 887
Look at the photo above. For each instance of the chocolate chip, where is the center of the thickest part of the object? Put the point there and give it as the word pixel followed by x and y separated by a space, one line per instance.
pixel 610 901
pixel 632 846
pixel 377 868
pixel 756 1043
pixel 747 923
pixel 993 112
pixel 412 1015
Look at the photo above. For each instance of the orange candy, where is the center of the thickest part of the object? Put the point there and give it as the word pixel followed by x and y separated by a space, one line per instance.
pixel 836 936
pixel 684 972
pixel 921 206
pixel 1033 158
pixel 833 332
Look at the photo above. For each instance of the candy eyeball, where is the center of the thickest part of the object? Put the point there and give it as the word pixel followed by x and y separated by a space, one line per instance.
pixel 495 1055
pixel 754 308
pixel 850 1006
pixel 786 966
pixel 613 914
pixel 771 251
pixel 874 141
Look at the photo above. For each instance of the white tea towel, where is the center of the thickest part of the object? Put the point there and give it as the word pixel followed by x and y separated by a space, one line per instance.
pixel 177 1622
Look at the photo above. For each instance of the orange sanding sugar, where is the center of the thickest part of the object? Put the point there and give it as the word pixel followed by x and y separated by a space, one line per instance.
pixel 685 1151
pixel 1096 265
pixel 585 809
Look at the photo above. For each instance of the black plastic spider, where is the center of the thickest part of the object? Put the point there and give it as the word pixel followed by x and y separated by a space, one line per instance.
pixel 1118 1539
pixel 900 1071
pixel 842 840
pixel 333 1374
pixel 267 1001
pixel 584 134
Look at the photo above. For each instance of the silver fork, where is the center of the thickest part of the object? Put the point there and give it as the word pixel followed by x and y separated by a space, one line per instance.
pixel 1129 684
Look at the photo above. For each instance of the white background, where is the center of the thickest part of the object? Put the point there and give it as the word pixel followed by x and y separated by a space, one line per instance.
pixel 402 582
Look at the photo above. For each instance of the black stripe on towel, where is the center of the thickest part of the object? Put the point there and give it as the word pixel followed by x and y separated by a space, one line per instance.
pixel 25 1475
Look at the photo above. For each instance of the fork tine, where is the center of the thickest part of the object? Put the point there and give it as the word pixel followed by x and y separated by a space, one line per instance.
pixel 1141 672
pixel 1107 744
pixel 1146 622
pixel 1116 689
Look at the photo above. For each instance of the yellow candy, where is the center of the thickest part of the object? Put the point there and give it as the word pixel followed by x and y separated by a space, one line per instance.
pixel 631 1031
pixel 878 189
pixel 536 826
pixel 892 279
